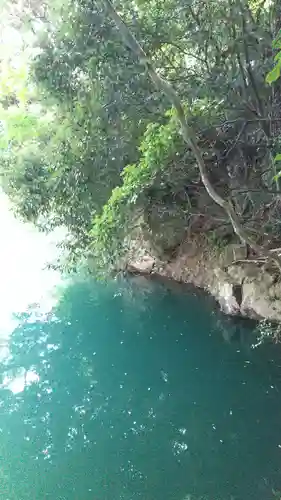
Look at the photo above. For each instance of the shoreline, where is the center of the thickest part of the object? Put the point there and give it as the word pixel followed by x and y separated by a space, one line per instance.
pixel 242 287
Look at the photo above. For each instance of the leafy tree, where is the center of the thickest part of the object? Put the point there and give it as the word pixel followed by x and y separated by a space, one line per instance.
pixel 91 144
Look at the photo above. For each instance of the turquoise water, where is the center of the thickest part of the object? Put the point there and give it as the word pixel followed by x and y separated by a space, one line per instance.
pixel 134 391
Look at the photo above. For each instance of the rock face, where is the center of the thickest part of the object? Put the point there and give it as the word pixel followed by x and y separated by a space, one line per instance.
pixel 223 289
pixel 259 301
pixel 143 265
pixel 242 287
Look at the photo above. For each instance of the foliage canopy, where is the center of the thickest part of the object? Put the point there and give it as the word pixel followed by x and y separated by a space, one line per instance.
pixel 88 142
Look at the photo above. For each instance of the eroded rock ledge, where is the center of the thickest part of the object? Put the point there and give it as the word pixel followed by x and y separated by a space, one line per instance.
pixel 241 286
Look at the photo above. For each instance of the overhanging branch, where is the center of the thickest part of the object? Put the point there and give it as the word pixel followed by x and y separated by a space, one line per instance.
pixel 188 133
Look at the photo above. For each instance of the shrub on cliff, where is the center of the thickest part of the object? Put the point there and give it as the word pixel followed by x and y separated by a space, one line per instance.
pixel 111 150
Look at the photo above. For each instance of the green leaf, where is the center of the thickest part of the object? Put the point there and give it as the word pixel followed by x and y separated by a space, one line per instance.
pixel 278 157
pixel 274 74
pixel 277 176
pixel 278 56
pixel 277 44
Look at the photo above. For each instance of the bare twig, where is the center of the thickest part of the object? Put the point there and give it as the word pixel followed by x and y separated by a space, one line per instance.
pixel 236 141
pixel 248 261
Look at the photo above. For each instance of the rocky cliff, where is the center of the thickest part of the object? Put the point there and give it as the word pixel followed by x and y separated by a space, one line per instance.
pixel 241 285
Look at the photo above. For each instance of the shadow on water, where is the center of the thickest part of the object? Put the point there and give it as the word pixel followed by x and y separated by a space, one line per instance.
pixel 233 329
pixel 138 389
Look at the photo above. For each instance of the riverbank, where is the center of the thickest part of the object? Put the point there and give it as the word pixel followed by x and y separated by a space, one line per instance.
pixel 242 286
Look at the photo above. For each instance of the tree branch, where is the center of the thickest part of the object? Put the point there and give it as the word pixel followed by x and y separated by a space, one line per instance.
pixel 187 132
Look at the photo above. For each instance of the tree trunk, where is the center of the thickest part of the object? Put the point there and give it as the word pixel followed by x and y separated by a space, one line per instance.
pixel 188 135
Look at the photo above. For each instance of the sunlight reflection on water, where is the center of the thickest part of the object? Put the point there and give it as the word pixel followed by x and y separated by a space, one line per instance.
pixel 17 384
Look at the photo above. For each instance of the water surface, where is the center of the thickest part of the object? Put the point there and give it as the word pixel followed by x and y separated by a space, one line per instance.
pixel 134 391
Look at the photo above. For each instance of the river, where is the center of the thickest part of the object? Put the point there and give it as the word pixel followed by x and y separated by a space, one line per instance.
pixel 130 390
